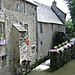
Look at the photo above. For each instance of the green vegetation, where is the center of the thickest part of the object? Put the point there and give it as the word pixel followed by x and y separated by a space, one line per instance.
pixel 62 57
pixel 71 6
pixel 69 28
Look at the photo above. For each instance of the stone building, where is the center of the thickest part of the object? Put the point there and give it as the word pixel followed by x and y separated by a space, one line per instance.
pixel 26 32
pixel 18 19
pixel 50 20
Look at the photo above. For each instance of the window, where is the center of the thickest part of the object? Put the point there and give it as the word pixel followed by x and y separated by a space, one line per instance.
pixel 0 4
pixel 20 7
pixel 3 60
pixel 41 28
pixel 17 6
pixel 52 26
pixel 58 26
pixel 26 27
pixel 21 23
pixel 41 43
pixel 24 7
pixel 35 8
pixel 2 30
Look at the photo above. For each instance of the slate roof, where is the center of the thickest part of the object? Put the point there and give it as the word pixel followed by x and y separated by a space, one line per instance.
pixel 61 15
pixel 19 28
pixel 46 14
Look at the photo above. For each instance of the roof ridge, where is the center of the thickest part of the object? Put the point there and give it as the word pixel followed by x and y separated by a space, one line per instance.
pixel 38 3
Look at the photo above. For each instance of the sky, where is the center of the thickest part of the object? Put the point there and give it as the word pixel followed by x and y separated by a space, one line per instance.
pixel 60 3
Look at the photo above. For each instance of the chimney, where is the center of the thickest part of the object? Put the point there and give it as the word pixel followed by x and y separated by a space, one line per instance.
pixel 54 3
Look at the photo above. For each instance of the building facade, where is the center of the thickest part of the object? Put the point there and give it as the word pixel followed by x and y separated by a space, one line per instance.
pixel 26 32
pixel 49 22
pixel 17 17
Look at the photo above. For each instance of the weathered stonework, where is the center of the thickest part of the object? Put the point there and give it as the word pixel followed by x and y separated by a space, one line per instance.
pixel 24 13
pixel 28 16
pixel 46 37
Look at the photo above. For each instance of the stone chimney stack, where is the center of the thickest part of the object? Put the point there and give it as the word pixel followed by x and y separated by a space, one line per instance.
pixel 60 14
pixel 54 3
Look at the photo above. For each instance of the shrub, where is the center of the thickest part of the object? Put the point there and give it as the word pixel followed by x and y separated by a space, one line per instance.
pixel 58 38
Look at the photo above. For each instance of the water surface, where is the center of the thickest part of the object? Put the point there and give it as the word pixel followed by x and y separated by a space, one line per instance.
pixel 67 69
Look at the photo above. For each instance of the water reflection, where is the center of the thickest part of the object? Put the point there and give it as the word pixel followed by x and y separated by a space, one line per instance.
pixel 68 69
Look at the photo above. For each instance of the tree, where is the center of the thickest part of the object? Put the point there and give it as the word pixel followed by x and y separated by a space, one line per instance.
pixel 69 26
pixel 71 6
pixel 58 38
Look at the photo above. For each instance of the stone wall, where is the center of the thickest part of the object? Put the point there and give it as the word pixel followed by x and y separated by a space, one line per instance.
pixel 12 16
pixel 46 37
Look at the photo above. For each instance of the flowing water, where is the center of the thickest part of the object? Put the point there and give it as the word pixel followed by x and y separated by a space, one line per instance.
pixel 67 69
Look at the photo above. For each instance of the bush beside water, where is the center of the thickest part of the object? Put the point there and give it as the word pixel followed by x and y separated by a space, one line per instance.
pixel 64 55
